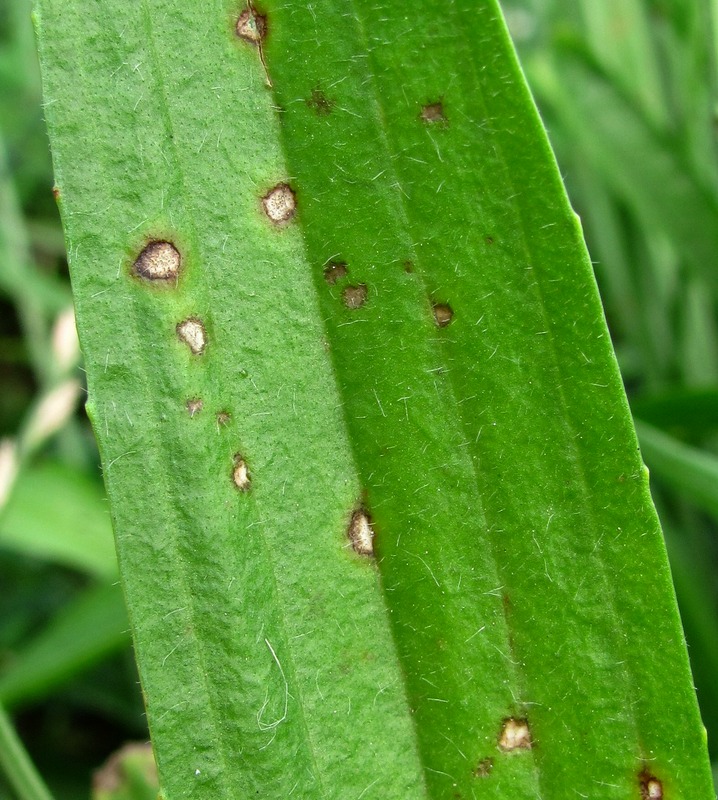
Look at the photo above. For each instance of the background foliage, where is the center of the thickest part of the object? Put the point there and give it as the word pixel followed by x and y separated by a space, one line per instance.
pixel 627 89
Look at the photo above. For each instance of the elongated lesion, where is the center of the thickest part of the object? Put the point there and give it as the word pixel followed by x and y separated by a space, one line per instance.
pixel 361 533
pixel 252 27
pixel 240 473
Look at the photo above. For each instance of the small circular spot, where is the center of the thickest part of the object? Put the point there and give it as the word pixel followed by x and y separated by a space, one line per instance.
pixel 159 261
pixel 224 418
pixel 240 474
pixel 243 373
pixel 408 267
pixel 335 271
pixel 191 331
pixel 251 26
pixel 280 203
pixel 515 735
pixel 320 103
pixel 443 314
pixel 483 768
pixel 194 405
pixel 355 296
pixel 56 193
pixel 361 533
pixel 432 113
pixel 489 239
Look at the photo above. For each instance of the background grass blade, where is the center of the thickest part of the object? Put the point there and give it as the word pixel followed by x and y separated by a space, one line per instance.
pixel 62 516
pixel 694 472
pixel 86 630
pixel 17 766
pixel 419 343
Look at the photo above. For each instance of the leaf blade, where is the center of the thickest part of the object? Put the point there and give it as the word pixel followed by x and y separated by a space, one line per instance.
pixel 378 417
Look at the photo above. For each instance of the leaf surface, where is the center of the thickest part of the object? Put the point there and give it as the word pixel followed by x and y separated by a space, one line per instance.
pixel 419 344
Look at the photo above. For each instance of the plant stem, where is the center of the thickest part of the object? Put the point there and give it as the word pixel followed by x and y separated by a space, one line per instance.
pixel 17 765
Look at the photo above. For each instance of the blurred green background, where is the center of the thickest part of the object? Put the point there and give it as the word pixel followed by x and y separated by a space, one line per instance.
pixel 628 91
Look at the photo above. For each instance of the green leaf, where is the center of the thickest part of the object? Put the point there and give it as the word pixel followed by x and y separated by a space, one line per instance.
pixel 82 633
pixel 59 514
pixel 416 349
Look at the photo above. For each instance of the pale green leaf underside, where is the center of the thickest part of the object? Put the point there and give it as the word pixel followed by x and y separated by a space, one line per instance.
pixel 520 571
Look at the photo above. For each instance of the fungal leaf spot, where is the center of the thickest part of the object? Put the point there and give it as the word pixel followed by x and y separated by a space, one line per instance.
pixel 443 314
pixel 651 787
pixel 240 474
pixel 251 26
pixel 335 271
pixel 194 406
pixel 280 203
pixel 191 331
pixel 515 735
pixel 224 418
pixel 355 296
pixel 320 103
pixel 361 533
pixel 159 261
pixel 432 113
pixel 483 768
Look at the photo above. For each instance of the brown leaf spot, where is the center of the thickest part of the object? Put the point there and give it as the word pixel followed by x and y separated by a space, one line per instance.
pixel 159 261
pixel 335 271
pixel 483 768
pixel 320 103
pixel 194 405
pixel 251 26
pixel 280 203
pixel 361 533
pixel 515 735
pixel 240 474
pixel 224 418
pixel 651 787
pixel 443 314
pixel 355 296
pixel 432 113
pixel 191 331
